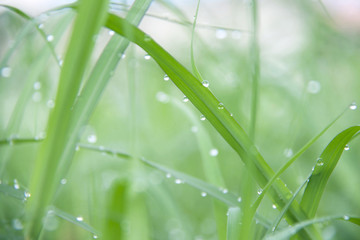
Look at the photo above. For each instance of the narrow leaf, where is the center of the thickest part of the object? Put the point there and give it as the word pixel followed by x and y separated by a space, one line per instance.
pixel 233 225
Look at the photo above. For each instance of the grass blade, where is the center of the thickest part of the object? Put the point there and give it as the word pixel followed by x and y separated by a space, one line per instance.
pixel 290 231
pixel 75 220
pixel 323 169
pixel 214 111
pixel 233 225
pixel 12 192
pixel 46 171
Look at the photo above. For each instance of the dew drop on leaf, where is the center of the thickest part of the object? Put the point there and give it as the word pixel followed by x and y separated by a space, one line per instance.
pixel 147 57
pixel 50 38
pixel 205 83
pixel 346 148
pixel 6 72
pixel 185 99
pixel 203 194
pixel 353 106
pixel 202 118
pixel 213 152
pixel 166 77
pixel 220 106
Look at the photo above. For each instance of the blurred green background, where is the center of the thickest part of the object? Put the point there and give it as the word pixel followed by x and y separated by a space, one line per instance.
pixel 310 73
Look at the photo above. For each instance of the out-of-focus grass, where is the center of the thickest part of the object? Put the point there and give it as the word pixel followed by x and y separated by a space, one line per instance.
pixel 309 72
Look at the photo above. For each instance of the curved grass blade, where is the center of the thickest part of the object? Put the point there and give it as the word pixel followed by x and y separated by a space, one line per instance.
pixel 292 160
pixel 219 117
pixel 290 231
pixel 12 192
pixel 233 225
pixel 74 220
pixel 45 177
pixel 323 169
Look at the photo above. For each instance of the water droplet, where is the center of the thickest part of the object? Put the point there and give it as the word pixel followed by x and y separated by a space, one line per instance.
pixel 95 237
pixel 231 115
pixel 147 57
pixel 77 148
pixel 37 85
pixel 79 219
pixel 168 175
pixel 274 206
pixel 353 106
pixel 16 184
pixel 273 229
pixel 41 26
pixel 185 99
pixel 111 32
pixel 288 152
pixel 27 194
pixel 225 191
pixel 37 96
pixel 213 152
pixel 61 62
pixel 220 33
pixel 92 138
pixel 6 72
pixel 166 77
pixel 202 118
pixel 50 103
pixel 194 129
pixel 239 199
pixel 220 106
pixel 313 87
pixel 205 83
pixel 162 97
pixel 346 217
pixel 319 162
pixel 63 181
pixel 17 225
pixel 178 181
pixel 50 38
pixel 203 194
pixel 346 148
pixel 259 191
pixel 236 34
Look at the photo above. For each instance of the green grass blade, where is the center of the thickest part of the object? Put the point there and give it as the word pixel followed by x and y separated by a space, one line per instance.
pixel 233 225
pixel 292 160
pixel 100 76
pixel 45 176
pixel 215 112
pixel 8 190
pixel 323 169
pixel 288 232
pixel 74 220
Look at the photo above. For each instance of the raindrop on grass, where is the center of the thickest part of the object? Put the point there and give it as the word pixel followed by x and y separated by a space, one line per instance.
pixel 17 225
pixel 6 72
pixel 168 175
pixel 50 103
pixel 41 26
pixel 92 138
pixel 111 33
pixel 185 99
pixel 274 206
pixel 178 181
pixel 225 191
pixel 95 237
pixel 259 191
pixel 37 96
pixel 147 57
pixel 353 106
pixel 27 194
pixel 147 38
pixel 220 106
pixel 346 148
pixel 166 77
pixel 313 87
pixel 63 181
pixel 205 83
pixel 239 199
pixel 202 118
pixel 288 152
pixel 37 85
pixel 319 162
pixel 346 218
pixel 16 184
pixel 213 152
pixel 203 194
pixel 79 219
pixel 162 97
pixel 194 129
pixel 220 33
pixel 50 38
pixel 77 148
